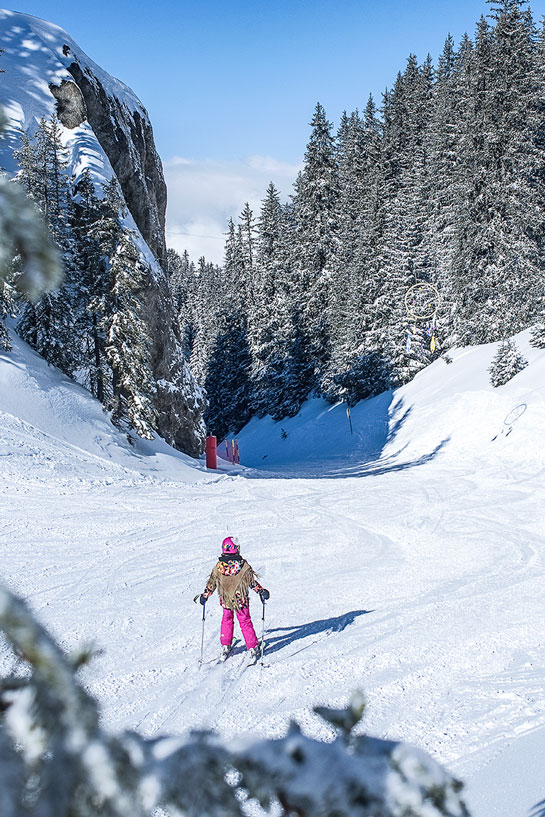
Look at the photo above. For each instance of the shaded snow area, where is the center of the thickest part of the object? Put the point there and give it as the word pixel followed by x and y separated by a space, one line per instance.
pixel 406 559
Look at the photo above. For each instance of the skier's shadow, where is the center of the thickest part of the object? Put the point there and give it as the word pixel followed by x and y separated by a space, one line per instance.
pixel 538 810
pixel 300 631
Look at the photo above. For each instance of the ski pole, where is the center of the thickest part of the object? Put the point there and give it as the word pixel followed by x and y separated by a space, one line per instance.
pixel 262 630
pixel 202 634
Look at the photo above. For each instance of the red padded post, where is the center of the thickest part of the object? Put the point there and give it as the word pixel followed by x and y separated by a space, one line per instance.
pixel 211 452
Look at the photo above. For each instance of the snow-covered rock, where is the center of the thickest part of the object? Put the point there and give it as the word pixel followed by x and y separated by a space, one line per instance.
pixel 106 129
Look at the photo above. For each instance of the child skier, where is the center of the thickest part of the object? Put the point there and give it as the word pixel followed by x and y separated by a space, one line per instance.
pixel 234 578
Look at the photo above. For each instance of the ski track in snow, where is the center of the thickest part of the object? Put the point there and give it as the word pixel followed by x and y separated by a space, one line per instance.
pixel 423 586
pixel 437 584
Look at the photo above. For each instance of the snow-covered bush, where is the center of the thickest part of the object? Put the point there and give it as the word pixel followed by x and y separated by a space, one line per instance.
pixel 23 233
pixel 507 362
pixel 57 761
pixel 537 337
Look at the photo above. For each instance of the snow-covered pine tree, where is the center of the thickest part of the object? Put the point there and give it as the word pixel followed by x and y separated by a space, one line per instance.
pixel 316 245
pixel 262 319
pixel 228 382
pixel 23 236
pixel 506 363
pixel 97 228
pixel 208 301
pixel 498 271
pixel 183 284
pixel 406 241
pixel 537 337
pixel 447 133
pixel 7 309
pixel 352 185
pixel 358 367
pixel 47 325
pixel 248 232
pixel 273 320
pixel 127 343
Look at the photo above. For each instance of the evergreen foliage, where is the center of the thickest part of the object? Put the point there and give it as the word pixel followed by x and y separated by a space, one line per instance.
pixel 93 327
pixel 537 338
pixel 507 362
pixel 57 759
pixel 127 344
pixel 444 185
pixel 25 248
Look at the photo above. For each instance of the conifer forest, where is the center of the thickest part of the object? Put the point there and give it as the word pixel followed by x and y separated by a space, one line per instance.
pixel 415 225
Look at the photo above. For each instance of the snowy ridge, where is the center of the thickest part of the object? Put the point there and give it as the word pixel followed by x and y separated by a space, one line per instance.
pixel 35 57
pixel 25 94
pixel 415 574
pixel 25 85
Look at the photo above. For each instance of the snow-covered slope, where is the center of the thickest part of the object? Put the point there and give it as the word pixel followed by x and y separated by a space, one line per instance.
pixel 417 575
pixel 53 432
pixel 449 410
pixel 106 129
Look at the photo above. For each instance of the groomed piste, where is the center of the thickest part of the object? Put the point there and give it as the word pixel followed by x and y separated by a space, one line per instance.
pixel 405 559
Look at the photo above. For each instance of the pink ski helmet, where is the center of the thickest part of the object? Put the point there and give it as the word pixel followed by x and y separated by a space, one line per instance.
pixel 230 545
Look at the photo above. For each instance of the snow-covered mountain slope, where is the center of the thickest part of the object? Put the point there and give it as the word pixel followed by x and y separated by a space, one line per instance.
pixel 106 129
pixel 52 431
pixel 417 576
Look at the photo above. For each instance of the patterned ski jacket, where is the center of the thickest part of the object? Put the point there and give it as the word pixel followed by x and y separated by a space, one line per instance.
pixel 234 578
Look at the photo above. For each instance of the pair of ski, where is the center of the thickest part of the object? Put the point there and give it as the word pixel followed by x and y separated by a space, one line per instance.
pixel 224 656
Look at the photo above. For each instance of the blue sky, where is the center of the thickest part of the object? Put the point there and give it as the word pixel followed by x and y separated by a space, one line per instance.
pixel 231 86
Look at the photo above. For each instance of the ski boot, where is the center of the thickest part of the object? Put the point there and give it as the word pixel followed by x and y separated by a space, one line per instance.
pixel 255 654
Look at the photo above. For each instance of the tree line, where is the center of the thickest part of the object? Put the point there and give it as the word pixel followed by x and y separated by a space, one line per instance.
pixel 442 185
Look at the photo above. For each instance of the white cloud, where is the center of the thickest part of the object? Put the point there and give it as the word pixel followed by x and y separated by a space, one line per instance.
pixel 204 194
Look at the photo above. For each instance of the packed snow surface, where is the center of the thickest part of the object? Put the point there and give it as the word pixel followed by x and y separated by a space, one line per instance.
pixel 405 559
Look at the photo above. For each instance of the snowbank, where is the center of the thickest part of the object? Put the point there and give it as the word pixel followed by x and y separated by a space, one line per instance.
pixel 448 411
pixel 51 425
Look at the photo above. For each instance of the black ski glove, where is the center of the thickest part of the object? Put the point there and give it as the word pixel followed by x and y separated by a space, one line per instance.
pixel 264 594
pixel 201 599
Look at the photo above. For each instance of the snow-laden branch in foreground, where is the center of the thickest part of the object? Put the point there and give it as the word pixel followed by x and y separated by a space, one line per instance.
pixel 57 761
pixel 23 234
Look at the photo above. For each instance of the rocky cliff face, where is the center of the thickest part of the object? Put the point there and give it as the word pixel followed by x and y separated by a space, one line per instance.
pixel 109 132
pixel 127 140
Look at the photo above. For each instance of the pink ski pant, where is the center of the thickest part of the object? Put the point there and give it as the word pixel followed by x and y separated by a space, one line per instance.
pixel 246 626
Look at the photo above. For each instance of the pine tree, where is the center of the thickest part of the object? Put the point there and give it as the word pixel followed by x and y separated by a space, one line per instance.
pixel 406 243
pixel 227 378
pixel 316 246
pixel 227 383
pixel 273 321
pixel 47 325
pixel 500 266
pixel 183 283
pixel 7 307
pixel 537 337
pixel 127 343
pixel 449 173
pixel 507 362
